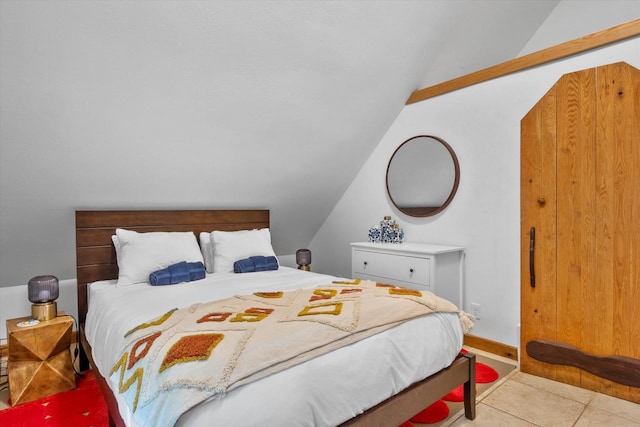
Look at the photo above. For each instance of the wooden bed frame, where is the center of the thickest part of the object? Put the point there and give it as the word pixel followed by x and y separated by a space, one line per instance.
pixel 96 260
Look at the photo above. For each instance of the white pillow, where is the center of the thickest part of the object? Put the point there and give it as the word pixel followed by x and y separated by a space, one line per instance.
pixel 231 246
pixel 116 244
pixel 140 254
pixel 206 247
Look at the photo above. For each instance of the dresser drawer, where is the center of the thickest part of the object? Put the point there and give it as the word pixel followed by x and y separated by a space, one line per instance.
pixel 385 280
pixel 398 268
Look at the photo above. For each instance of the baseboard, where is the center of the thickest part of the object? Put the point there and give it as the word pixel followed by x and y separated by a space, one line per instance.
pixel 491 347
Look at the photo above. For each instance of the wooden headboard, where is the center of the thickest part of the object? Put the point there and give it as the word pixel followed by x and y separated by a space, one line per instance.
pixel 95 254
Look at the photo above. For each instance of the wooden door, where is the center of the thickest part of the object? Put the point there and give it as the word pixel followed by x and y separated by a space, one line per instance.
pixel 580 193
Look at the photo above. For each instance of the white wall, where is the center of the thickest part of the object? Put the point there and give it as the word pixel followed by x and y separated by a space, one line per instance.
pixel 482 124
pixel 175 104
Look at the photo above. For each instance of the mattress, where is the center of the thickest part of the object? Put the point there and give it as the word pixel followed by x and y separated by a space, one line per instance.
pixel 324 391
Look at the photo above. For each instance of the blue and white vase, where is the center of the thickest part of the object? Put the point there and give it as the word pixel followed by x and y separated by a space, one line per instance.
pixel 375 234
pixel 386 225
pixel 387 232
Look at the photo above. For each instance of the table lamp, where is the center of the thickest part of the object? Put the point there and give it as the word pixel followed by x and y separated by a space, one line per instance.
pixel 303 259
pixel 43 291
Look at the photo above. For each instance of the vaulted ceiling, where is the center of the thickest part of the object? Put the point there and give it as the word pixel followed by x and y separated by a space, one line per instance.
pixel 272 104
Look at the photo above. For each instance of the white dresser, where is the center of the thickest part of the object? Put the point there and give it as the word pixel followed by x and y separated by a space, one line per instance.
pixel 435 268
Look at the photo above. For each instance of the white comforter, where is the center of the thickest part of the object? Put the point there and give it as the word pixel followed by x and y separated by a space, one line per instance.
pixel 326 390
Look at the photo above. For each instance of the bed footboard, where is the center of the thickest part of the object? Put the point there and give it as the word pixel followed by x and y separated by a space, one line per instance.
pixel 399 408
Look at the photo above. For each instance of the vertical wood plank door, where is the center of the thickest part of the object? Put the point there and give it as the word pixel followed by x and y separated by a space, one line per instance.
pixel 580 192
pixel 538 230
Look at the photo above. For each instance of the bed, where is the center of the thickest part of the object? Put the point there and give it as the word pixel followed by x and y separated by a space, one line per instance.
pixel 423 378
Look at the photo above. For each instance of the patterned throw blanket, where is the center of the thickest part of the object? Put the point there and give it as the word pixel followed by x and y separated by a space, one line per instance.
pixel 186 356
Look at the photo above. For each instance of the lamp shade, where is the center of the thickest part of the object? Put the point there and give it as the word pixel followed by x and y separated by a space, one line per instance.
pixel 303 257
pixel 43 289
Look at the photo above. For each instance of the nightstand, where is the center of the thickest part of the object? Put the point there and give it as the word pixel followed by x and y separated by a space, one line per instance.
pixel 39 363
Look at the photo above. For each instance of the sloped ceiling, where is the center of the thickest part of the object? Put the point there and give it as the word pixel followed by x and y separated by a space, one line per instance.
pixel 214 104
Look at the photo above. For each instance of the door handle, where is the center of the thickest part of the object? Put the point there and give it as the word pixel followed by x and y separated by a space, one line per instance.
pixel 532 252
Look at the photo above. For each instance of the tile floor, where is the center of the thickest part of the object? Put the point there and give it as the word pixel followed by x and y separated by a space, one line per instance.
pixel 525 400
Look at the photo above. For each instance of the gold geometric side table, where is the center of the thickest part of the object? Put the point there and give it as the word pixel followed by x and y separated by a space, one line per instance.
pixel 39 362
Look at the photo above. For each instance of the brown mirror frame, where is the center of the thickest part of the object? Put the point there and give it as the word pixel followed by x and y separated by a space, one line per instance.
pixel 426 211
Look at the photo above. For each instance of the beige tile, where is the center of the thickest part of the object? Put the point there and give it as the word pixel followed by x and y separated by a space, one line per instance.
pixel 619 407
pixel 486 416
pixel 592 417
pixel 535 405
pixel 495 385
pixel 561 389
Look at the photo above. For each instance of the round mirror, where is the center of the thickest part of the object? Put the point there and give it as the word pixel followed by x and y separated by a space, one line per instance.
pixel 423 176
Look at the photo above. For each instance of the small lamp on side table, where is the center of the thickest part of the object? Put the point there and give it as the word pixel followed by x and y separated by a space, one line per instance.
pixel 43 293
pixel 303 259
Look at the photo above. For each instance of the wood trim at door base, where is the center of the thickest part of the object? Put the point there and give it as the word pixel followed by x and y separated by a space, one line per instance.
pixel 491 346
pixel 620 369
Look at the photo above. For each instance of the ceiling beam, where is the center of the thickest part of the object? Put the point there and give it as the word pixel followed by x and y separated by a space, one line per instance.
pixel 592 41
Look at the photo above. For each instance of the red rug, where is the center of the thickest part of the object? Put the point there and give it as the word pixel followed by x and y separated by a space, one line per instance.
pixel 82 407
pixel 439 410
pixel 432 414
